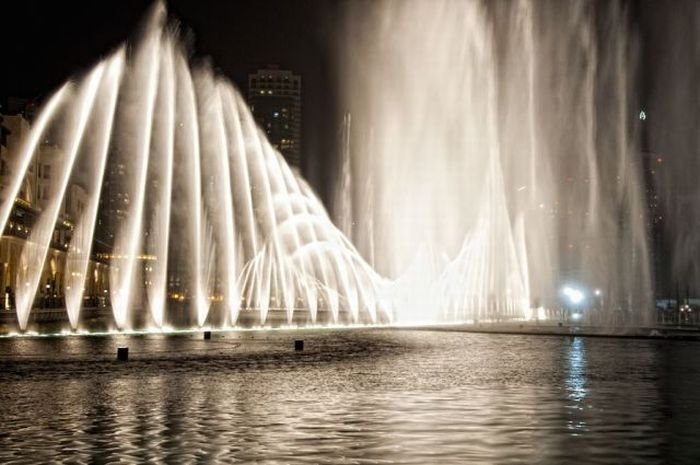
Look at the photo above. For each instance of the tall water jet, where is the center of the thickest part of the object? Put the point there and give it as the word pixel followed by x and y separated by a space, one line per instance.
pixel 141 90
pixel 162 164
pixel 36 248
pixel 283 242
pixel 80 248
pixel 343 194
pixel 218 192
pixel 230 242
pixel 199 256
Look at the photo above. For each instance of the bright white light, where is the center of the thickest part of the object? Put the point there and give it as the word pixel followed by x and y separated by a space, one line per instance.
pixel 597 292
pixel 574 295
pixel 576 316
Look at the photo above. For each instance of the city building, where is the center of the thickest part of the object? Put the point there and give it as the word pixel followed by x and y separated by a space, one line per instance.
pixel 274 96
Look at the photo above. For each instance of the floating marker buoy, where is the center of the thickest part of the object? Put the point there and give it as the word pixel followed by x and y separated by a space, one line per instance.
pixel 122 354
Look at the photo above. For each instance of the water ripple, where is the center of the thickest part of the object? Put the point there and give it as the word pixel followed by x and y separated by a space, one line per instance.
pixel 355 397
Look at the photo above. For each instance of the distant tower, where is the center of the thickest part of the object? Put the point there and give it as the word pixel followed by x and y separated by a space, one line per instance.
pixel 274 96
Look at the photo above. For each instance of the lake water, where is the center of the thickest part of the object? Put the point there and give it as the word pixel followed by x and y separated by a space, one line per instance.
pixel 352 396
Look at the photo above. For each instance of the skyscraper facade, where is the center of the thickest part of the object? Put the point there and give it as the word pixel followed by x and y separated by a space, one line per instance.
pixel 274 96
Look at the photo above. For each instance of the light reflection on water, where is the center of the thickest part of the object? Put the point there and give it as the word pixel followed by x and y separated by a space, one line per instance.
pixel 358 396
pixel 576 384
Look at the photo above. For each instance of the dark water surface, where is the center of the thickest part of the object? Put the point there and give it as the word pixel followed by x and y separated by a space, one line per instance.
pixel 353 396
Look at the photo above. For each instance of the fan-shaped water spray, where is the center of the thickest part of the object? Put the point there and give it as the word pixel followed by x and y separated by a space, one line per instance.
pixel 256 239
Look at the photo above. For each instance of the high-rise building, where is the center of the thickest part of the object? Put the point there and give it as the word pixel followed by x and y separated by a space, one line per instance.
pixel 274 96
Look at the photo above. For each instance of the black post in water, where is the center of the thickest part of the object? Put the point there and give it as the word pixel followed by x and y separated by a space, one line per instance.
pixel 207 335
pixel 299 345
pixel 122 354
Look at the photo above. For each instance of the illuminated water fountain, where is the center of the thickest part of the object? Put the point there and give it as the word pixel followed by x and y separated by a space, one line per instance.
pixel 254 232
pixel 499 145
pixel 490 162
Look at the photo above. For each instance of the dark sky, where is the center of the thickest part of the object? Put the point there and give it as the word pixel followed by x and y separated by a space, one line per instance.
pixel 45 42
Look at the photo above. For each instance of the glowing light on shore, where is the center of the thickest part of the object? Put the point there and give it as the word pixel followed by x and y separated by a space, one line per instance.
pixel 574 295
